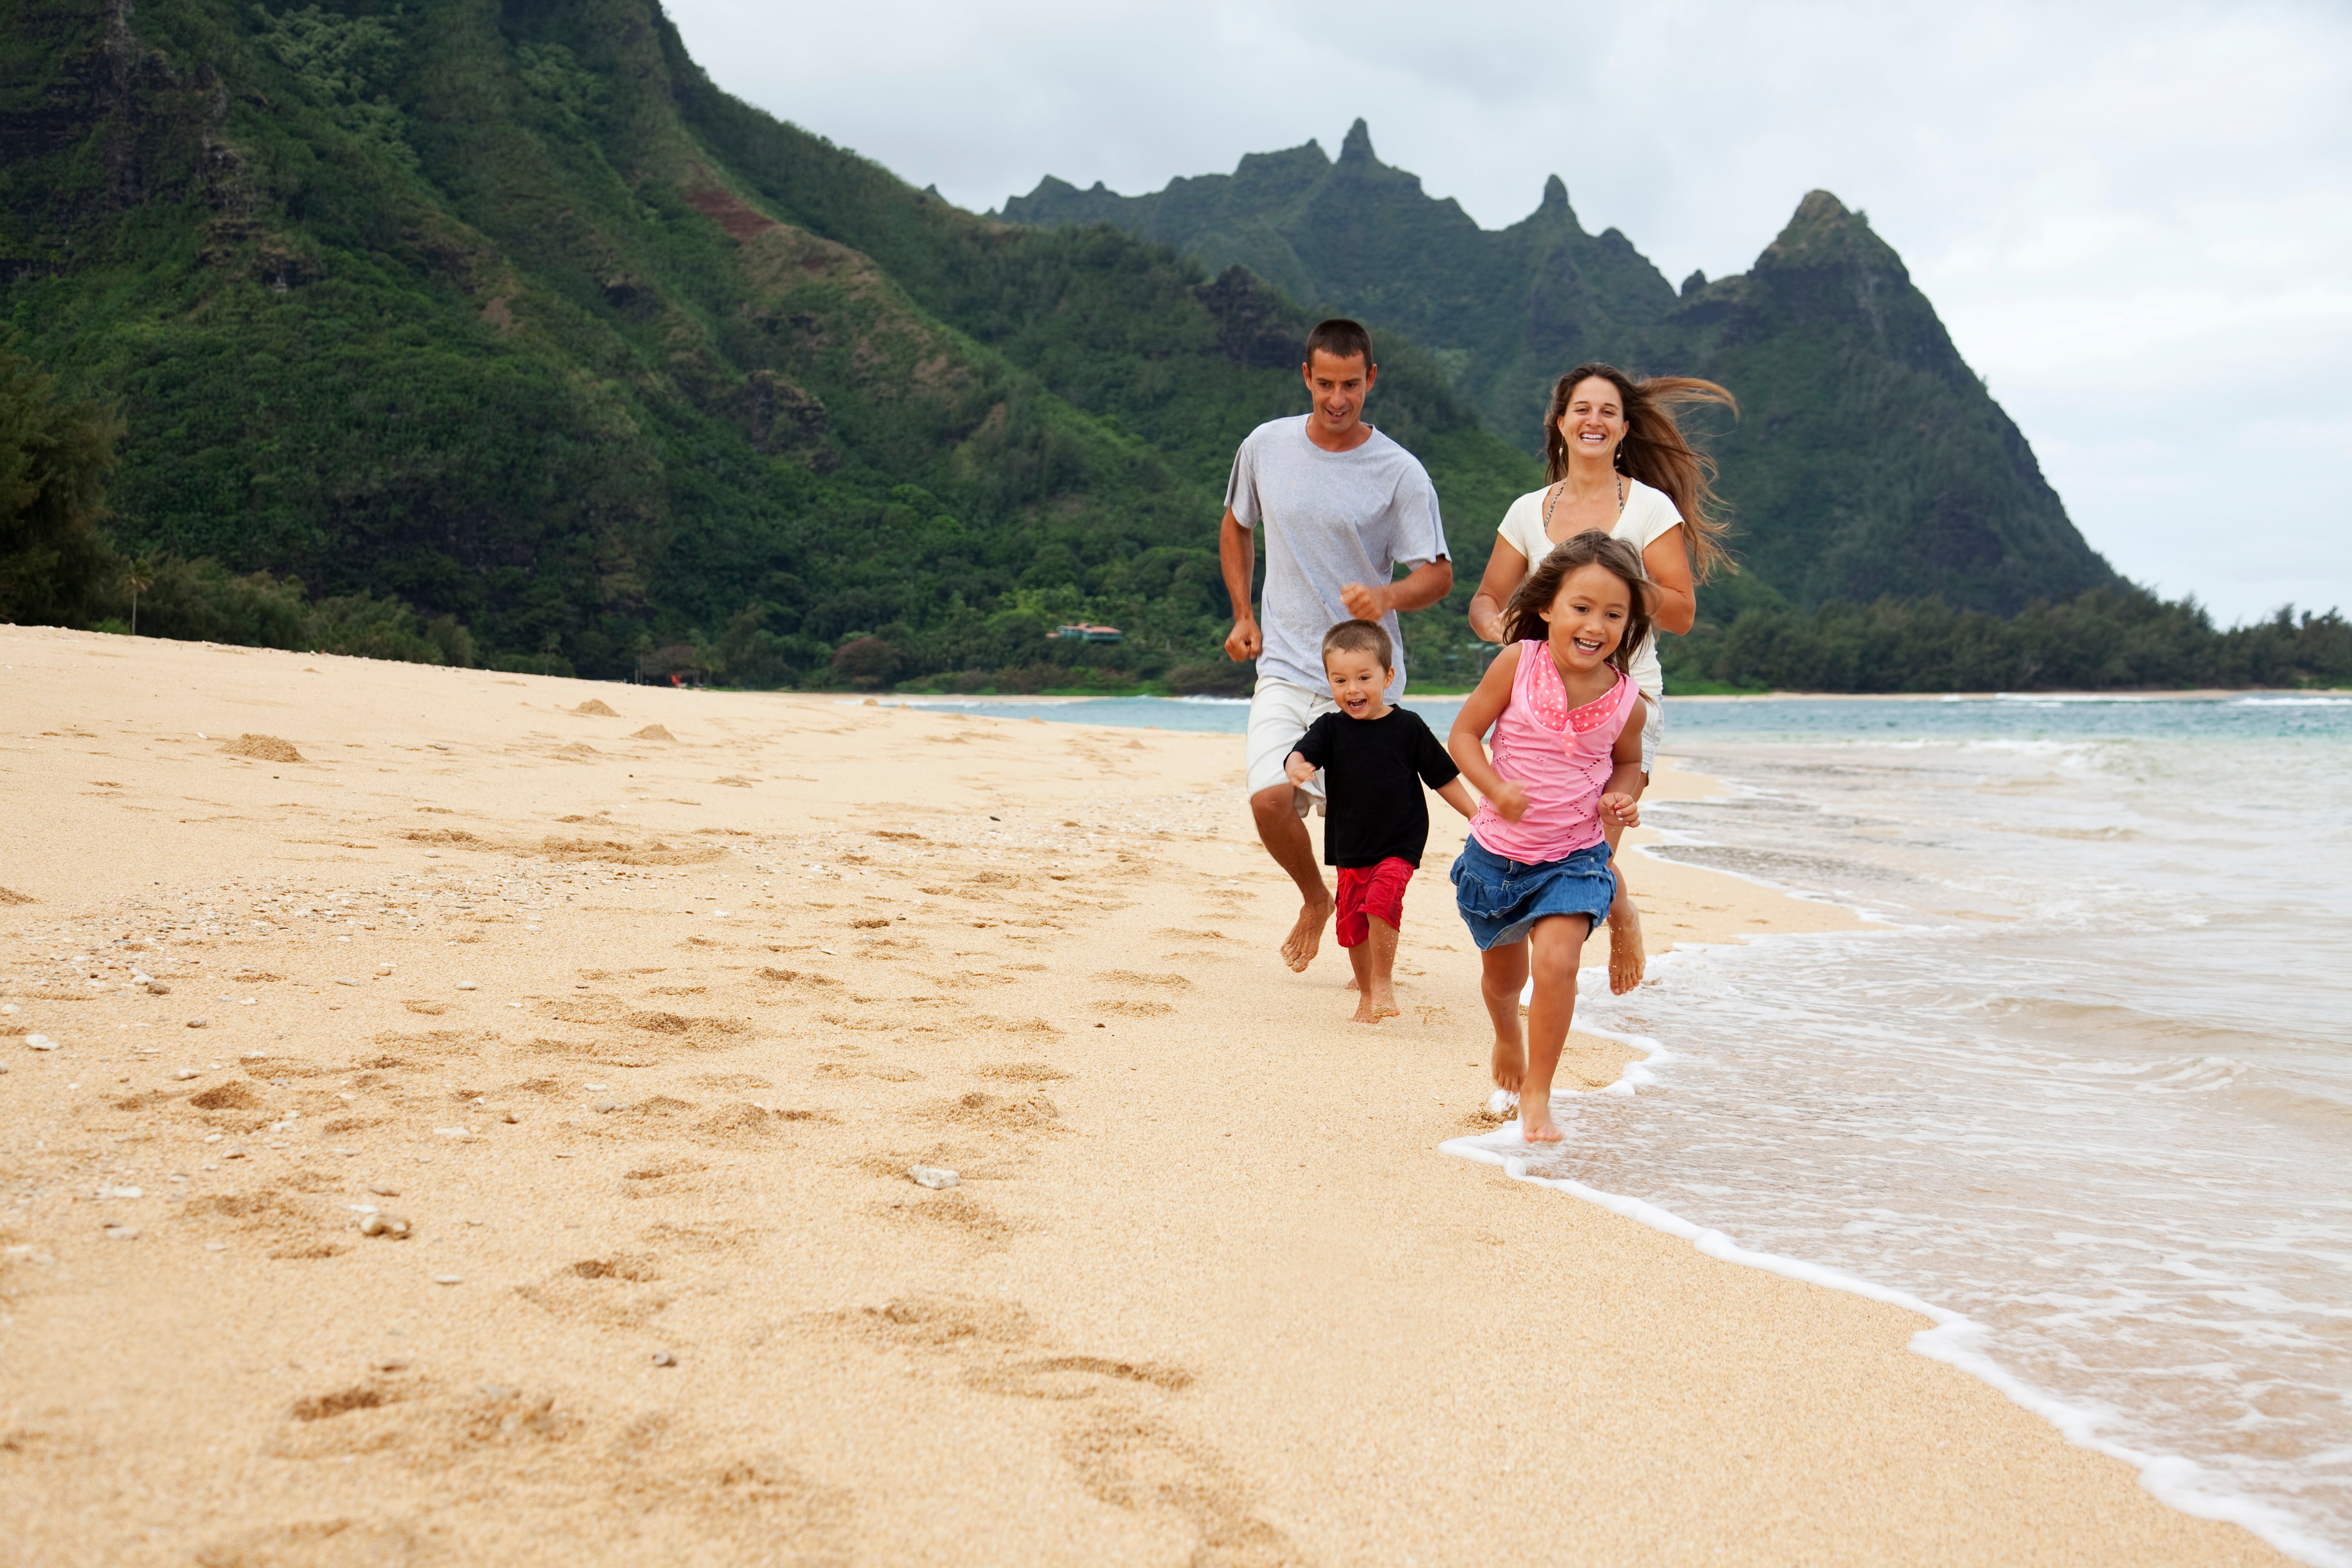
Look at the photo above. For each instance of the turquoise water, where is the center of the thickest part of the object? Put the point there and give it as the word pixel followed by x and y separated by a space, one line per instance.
pixel 2085 1095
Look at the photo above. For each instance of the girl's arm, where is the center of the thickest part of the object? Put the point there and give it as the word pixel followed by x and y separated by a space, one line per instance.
pixel 1620 796
pixel 1455 795
pixel 1465 743
pixel 1504 570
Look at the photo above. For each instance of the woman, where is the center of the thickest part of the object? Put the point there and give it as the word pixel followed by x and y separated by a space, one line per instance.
pixel 1617 461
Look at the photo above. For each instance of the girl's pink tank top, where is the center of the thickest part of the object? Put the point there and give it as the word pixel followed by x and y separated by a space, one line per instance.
pixel 1559 755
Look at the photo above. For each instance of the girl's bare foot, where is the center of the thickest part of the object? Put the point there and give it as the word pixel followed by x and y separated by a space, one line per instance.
pixel 1371 1010
pixel 1510 1064
pixel 1537 1126
pixel 1626 961
pixel 1306 938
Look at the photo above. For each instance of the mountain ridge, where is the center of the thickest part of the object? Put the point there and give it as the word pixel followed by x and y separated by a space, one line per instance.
pixel 1869 460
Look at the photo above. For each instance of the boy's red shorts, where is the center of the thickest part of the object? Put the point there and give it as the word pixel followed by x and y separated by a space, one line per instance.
pixel 1368 890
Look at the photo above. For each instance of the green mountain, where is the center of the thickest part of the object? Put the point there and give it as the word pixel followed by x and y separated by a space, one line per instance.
pixel 504 313
pixel 1869 460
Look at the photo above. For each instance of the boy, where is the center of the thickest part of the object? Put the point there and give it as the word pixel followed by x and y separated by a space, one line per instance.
pixel 1374 759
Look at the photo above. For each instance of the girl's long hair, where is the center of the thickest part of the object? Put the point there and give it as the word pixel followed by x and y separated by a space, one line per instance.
pixel 1655 451
pixel 1523 616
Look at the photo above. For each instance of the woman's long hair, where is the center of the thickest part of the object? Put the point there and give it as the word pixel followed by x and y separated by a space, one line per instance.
pixel 1655 451
pixel 1523 616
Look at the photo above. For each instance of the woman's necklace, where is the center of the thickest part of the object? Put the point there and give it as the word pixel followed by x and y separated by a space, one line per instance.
pixel 1561 488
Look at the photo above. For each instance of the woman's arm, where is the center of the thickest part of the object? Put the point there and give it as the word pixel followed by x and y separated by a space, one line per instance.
pixel 1465 743
pixel 1506 568
pixel 1674 603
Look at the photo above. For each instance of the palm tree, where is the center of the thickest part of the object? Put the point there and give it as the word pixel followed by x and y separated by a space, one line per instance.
pixel 138 576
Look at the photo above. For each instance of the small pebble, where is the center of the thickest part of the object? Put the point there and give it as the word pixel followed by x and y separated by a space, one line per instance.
pixel 468 986
pixel 200 1023
pixel 933 1177
pixel 510 1117
pixel 448 1280
pixel 388 1224
pixel 40 1042
pixel 383 1189
pixel 345 980
pixel 157 988
pixel 184 1074
pixel 232 1154
pixel 601 1106
pixel 217 1247
pixel 663 1358
pixel 121 1233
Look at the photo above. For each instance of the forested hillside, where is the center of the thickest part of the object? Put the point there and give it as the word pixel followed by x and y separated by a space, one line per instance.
pixel 482 333
pixel 506 315
pixel 1869 460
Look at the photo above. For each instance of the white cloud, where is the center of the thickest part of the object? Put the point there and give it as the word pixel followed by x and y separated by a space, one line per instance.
pixel 2133 217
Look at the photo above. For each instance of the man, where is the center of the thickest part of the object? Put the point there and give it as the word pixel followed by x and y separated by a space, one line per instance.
pixel 1343 506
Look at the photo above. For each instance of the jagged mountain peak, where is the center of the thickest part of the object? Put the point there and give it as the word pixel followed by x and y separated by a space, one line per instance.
pixel 1870 460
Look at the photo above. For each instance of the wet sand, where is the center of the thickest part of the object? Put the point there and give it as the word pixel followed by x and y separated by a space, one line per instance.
pixel 640 1035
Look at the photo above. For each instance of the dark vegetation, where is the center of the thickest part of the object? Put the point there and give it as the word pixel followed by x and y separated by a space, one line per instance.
pixel 499 334
pixel 493 333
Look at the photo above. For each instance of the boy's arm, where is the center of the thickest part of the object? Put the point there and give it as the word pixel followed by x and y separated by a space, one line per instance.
pixel 1311 753
pixel 1440 773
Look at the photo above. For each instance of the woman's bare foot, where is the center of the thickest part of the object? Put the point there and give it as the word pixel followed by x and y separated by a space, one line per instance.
pixel 1510 1064
pixel 1306 938
pixel 1626 960
pixel 1371 1010
pixel 1536 1124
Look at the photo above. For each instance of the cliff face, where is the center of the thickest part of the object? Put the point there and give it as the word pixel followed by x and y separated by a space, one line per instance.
pixel 503 307
pixel 1869 460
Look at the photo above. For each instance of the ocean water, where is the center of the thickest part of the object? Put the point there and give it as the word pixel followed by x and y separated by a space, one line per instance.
pixel 2084 1097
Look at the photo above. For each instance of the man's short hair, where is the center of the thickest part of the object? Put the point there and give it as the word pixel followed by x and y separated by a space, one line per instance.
pixel 1359 636
pixel 1341 339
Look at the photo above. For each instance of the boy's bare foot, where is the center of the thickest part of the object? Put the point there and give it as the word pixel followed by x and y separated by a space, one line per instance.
pixel 1626 960
pixel 1537 1126
pixel 1306 938
pixel 1510 1065
pixel 1372 1009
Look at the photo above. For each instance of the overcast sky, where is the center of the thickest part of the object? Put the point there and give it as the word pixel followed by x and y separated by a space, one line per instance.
pixel 2136 218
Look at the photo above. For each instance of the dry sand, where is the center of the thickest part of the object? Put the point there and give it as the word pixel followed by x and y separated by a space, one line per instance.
pixel 642 1034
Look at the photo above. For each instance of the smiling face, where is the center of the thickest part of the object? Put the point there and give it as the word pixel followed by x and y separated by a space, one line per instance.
pixel 1358 683
pixel 1588 618
pixel 1595 420
pixel 1340 387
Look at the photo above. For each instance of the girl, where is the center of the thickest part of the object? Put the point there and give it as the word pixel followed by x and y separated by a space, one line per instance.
pixel 1615 458
pixel 1566 773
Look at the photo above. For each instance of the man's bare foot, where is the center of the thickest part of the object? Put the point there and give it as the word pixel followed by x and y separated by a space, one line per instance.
pixel 1306 938
pixel 1626 961
pixel 1372 1009
pixel 1537 1126
pixel 1510 1065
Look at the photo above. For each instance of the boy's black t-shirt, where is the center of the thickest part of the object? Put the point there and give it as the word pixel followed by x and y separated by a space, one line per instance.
pixel 1372 772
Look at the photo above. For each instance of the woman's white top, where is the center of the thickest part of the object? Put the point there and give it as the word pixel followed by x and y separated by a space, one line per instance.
pixel 1648 513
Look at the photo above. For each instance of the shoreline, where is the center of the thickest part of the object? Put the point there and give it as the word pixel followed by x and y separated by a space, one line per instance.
pixel 1201 1291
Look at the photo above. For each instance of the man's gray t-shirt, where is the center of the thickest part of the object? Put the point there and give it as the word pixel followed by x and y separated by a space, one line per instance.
pixel 1331 518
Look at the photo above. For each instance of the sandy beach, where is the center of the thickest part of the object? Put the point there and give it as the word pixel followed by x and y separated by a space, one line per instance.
pixel 637 1018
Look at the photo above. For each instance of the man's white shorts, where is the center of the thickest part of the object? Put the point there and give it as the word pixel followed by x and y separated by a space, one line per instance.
pixel 1279 714
pixel 1654 726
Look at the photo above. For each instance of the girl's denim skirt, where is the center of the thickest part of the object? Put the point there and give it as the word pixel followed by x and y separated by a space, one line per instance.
pixel 1501 900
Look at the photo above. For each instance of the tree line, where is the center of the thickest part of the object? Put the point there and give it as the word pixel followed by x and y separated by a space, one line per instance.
pixel 58 566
